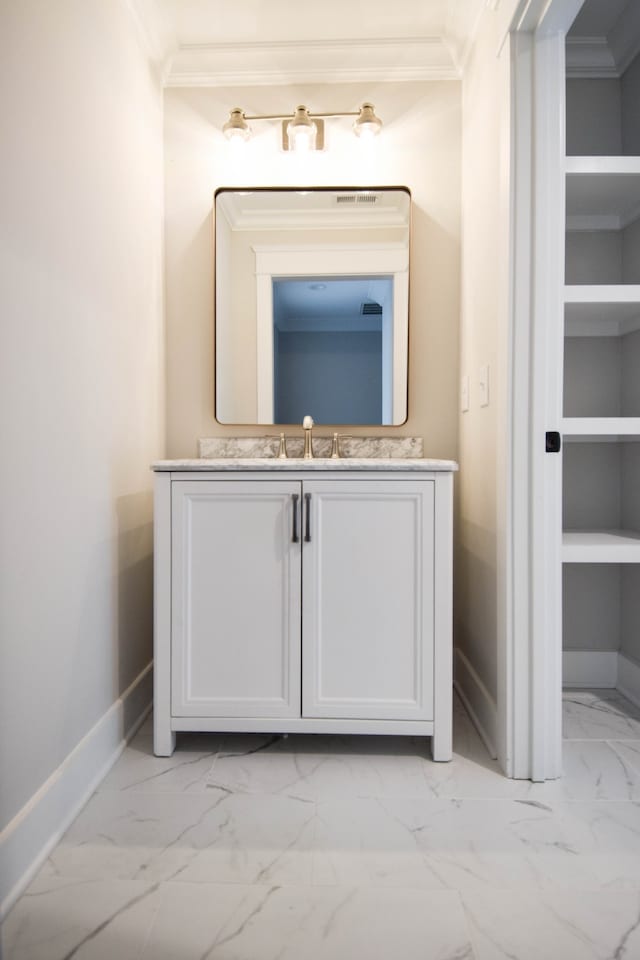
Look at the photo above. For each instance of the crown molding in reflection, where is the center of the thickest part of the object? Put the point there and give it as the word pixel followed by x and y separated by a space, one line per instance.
pixel 330 61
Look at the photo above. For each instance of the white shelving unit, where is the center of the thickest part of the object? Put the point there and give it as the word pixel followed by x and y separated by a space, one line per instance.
pixel 601 385
pixel 600 546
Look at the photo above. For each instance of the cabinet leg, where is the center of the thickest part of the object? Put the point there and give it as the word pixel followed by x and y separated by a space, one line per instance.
pixel 164 739
pixel 441 748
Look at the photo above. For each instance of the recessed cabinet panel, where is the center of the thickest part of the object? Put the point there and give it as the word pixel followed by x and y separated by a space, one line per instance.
pixel 235 599
pixel 368 600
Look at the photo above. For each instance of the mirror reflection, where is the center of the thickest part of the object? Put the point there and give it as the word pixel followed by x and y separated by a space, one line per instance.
pixel 312 305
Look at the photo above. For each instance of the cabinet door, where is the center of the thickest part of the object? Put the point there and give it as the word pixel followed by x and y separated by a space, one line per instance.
pixel 235 599
pixel 368 600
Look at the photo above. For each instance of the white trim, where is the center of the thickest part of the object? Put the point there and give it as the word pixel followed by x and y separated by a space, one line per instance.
pixel 589 668
pixel 547 345
pixel 629 679
pixel 29 837
pixel 514 673
pixel 164 740
pixel 348 725
pixel 312 61
pixel 441 745
pixel 477 700
pixel 533 650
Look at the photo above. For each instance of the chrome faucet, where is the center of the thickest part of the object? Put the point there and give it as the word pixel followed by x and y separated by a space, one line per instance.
pixel 307 426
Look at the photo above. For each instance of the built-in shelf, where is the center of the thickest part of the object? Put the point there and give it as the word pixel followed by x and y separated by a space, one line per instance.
pixel 600 420
pixel 615 296
pixel 602 166
pixel 601 429
pixel 603 193
pixel 600 546
pixel 601 311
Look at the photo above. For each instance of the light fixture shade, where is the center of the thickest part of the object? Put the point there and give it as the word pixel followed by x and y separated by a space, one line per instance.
pixel 301 130
pixel 236 127
pixel 366 123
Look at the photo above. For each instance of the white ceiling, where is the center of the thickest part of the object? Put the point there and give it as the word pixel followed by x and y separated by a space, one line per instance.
pixel 597 18
pixel 233 21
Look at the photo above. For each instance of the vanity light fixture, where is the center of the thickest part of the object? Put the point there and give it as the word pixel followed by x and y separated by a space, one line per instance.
pixel 303 130
pixel 236 127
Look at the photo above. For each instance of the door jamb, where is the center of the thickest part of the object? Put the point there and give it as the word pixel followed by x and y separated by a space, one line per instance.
pixel 533 675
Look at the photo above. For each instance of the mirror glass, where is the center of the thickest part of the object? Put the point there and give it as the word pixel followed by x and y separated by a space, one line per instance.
pixel 312 305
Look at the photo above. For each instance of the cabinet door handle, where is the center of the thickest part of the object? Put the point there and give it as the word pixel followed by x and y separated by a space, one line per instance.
pixel 307 531
pixel 295 538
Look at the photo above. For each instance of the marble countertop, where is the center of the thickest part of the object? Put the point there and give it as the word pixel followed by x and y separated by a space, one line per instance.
pixel 413 464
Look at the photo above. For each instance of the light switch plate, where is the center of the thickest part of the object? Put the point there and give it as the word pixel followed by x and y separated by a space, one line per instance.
pixel 464 393
pixel 483 386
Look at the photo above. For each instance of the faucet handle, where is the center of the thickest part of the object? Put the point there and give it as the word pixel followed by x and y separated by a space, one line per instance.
pixel 336 452
pixel 307 422
pixel 282 448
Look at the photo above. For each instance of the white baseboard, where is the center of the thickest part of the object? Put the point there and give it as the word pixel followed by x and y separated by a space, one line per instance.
pixel 629 679
pixel 27 840
pixel 477 700
pixel 589 668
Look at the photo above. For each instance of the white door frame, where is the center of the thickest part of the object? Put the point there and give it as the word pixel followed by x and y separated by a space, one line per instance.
pixel 532 671
pixel 331 260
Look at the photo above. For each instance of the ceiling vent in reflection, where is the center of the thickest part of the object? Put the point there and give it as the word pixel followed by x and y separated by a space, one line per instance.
pixel 370 309
pixel 357 198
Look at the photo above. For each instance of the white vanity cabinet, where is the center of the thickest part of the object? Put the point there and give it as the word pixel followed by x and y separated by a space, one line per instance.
pixel 292 599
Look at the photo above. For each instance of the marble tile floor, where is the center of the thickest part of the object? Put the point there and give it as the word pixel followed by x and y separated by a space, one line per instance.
pixel 247 847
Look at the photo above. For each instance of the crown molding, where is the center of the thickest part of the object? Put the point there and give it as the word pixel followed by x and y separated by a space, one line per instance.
pixel 459 37
pixel 330 61
pixel 152 30
pixel 590 57
pixel 606 56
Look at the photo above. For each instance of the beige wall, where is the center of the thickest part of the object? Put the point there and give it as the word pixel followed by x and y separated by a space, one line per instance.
pixel 81 375
pixel 419 148
pixel 480 599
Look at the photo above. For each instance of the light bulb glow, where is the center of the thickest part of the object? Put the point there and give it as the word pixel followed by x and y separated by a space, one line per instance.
pixel 301 131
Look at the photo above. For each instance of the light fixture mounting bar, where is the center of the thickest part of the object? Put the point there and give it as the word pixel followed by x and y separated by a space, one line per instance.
pixel 287 116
